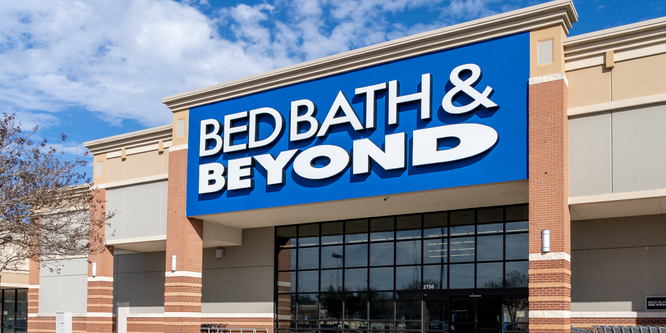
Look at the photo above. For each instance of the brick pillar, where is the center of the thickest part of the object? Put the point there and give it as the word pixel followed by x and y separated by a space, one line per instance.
pixel 182 287
pixel 100 287
pixel 550 273
pixel 33 288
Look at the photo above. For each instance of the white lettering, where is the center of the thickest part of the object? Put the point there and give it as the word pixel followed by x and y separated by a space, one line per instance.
pixel 338 162
pixel 392 158
pixel 346 116
pixel 275 167
pixel 296 119
pixel 254 119
pixel 239 171
pixel 474 139
pixel 211 177
pixel 213 135
pixel 424 96
pixel 370 108
pixel 230 130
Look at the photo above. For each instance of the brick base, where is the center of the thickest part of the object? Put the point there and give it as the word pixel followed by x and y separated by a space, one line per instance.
pixel 258 323
pixel 145 325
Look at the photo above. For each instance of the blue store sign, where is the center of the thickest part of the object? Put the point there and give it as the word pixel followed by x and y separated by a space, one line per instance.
pixel 446 119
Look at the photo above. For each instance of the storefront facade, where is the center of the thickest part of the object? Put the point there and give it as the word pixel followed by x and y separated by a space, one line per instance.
pixel 484 177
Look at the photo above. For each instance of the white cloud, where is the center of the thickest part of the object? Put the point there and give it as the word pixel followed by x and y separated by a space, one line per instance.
pixel 119 58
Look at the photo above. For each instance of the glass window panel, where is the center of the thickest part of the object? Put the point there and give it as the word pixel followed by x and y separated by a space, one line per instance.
pixel 490 275
pixel 381 305
pixel 308 258
pixel 356 306
pixel 461 230
pixel 517 246
pixel 356 231
pixel 491 215
pixel 356 255
pixel 22 309
pixel 461 249
pixel 408 226
pixel 435 275
pixel 331 280
pixel 516 274
pixel 285 236
pixel 286 259
pixel 517 226
pixel 356 279
pixel 331 308
pixel 381 229
pixel 286 309
pixel 435 225
pixel 308 308
pixel 435 251
pixel 490 248
pixel 308 281
pixel 331 257
pixel 308 235
pixel 489 310
pixel 461 276
pixel 408 253
pixel 408 307
pixel 516 310
pixel 408 278
pixel 381 327
pixel 331 233
pixel 381 254
pixel 437 311
pixel 462 217
pixel 490 228
pixel 286 282
pixel 517 213
pixel 381 278
pixel 462 311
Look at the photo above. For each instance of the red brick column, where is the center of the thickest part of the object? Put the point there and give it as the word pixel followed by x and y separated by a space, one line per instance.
pixel 100 287
pixel 550 273
pixel 182 287
pixel 33 291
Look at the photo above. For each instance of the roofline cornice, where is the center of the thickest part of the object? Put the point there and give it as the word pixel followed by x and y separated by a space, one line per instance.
pixel 131 139
pixel 560 12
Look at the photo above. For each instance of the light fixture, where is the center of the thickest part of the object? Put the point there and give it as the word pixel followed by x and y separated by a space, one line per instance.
pixel 173 263
pixel 94 269
pixel 545 240
pixel 219 253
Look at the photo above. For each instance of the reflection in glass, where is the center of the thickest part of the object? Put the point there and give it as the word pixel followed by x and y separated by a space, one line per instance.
pixel 356 306
pixel 308 281
pixel 491 228
pixel 308 307
pixel 490 215
pixel 517 246
pixel 408 253
pixel 356 231
pixel 408 307
pixel 489 310
pixel 408 226
pixel 462 311
pixel 331 233
pixel 285 236
pixel 408 278
pixel 381 305
pixel 331 308
pixel 435 275
pixel 381 278
pixel 356 279
pixel 381 229
pixel 331 257
pixel 490 248
pixel 331 280
pixel 490 275
pixel 461 276
pixel 517 213
pixel 286 259
pixel 436 311
pixel 381 254
pixel 435 224
pixel 308 258
pixel 516 274
pixel 287 307
pixel 382 327
pixel 461 249
pixel 286 282
pixel 308 235
pixel 356 255
pixel 435 251
pixel 517 226
pixel 516 310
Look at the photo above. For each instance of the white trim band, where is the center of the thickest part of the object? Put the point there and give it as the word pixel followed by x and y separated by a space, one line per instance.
pixel 100 278
pixel 135 181
pixel 136 240
pixel 615 105
pixel 618 314
pixel 33 286
pixel 550 314
pixel 100 314
pixel 183 273
pixel 548 78
pixel 178 147
pixel 145 315
pixel 550 256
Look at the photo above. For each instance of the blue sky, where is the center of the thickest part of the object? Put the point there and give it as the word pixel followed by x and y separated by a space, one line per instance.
pixel 93 69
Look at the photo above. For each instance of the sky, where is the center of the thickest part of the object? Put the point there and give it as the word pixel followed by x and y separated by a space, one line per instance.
pixel 93 69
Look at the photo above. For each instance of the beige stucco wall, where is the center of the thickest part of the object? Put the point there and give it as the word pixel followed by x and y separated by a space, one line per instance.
pixel 616 262
pixel 147 164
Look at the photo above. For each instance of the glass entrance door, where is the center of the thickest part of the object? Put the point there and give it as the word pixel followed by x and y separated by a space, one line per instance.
pixel 463 315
